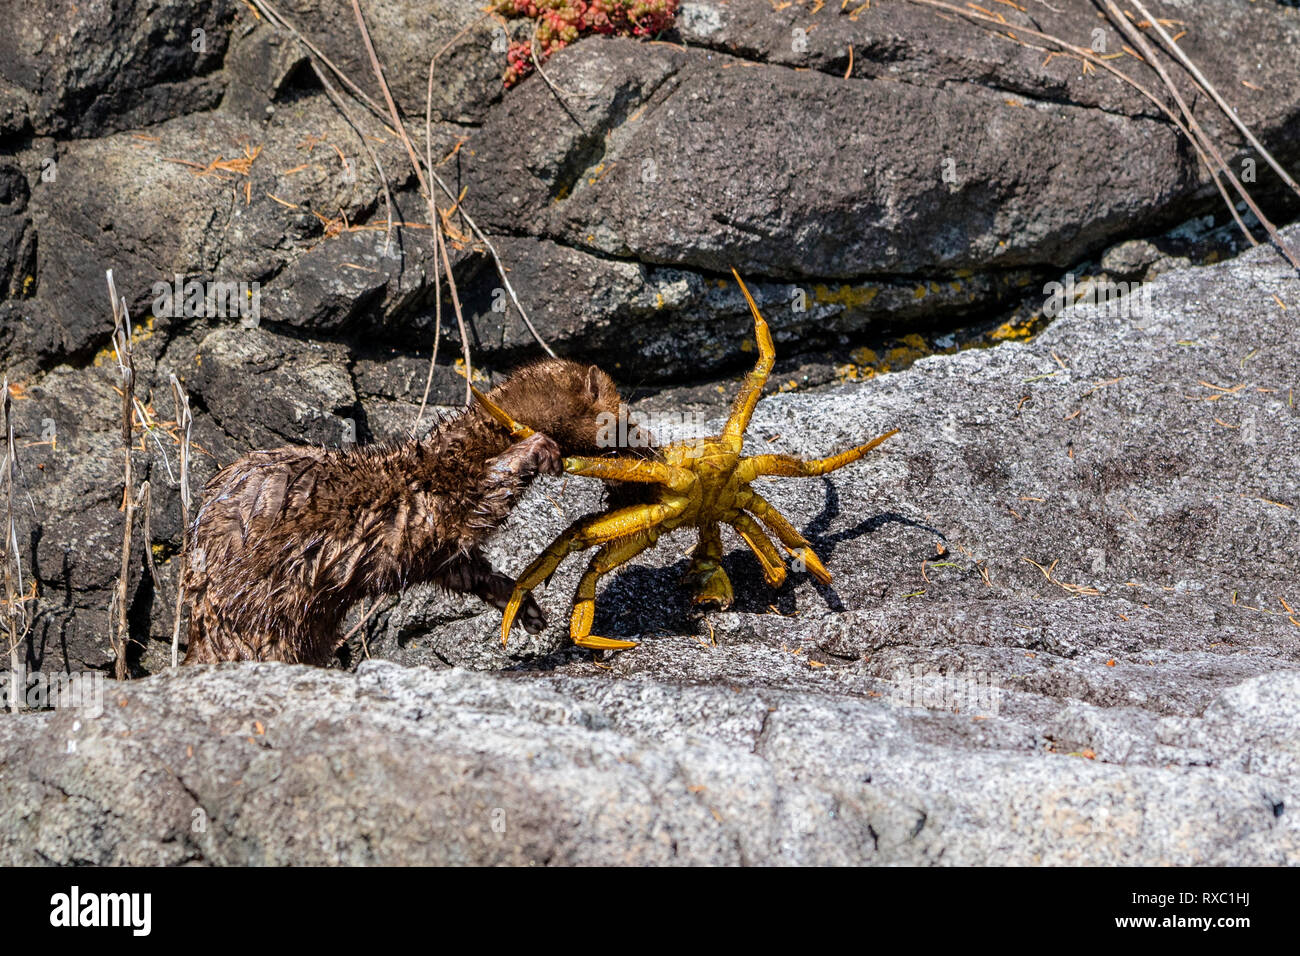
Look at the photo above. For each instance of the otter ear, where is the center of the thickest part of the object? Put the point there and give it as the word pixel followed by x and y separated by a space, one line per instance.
pixel 593 384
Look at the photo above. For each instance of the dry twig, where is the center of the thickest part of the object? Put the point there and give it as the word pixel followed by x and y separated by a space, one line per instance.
pixel 16 620
pixel 122 350
pixel 185 422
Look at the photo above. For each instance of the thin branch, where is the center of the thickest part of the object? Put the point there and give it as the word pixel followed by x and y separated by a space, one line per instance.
pixel 1214 94
pixel 122 348
pixel 365 616
pixel 1095 60
pixel 435 224
pixel 537 64
pixel 1134 34
pixel 437 241
pixel 16 620
pixel 275 17
pixel 185 421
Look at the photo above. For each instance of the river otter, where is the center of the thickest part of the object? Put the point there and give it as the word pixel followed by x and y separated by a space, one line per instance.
pixel 287 540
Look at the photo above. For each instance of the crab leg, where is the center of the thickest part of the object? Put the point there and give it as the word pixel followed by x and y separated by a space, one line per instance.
pixel 788 466
pixel 763 548
pixel 680 480
pixel 785 532
pixel 752 388
pixel 582 534
pixel 712 586
pixel 609 557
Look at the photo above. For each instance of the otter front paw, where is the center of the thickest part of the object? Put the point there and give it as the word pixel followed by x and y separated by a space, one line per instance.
pixel 535 455
pixel 542 455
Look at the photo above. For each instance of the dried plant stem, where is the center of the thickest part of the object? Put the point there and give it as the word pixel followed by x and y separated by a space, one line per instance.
pixel 185 421
pixel 275 17
pixel 366 614
pixel 460 321
pixel 1152 58
pixel 1092 58
pixel 16 620
pixel 437 241
pixel 1135 35
pixel 122 348
pixel 1214 95
pixel 145 507
pixel 435 224
pixel 496 259
pixel 536 53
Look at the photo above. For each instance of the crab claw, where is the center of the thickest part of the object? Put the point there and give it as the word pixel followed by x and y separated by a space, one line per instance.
pixel 711 585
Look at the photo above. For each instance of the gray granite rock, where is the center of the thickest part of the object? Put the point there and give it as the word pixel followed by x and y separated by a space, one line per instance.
pixel 273 764
pixel 1127 698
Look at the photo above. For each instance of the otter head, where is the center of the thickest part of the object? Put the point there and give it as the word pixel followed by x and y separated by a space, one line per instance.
pixel 575 403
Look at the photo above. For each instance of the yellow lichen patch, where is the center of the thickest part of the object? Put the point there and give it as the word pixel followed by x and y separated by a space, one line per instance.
pixel 849 296
pixel 901 356
pixel 747 346
pixel 850 372
pixel 866 362
pixel 1011 331
pixel 140 332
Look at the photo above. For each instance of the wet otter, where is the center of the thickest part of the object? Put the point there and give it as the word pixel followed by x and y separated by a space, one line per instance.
pixel 287 540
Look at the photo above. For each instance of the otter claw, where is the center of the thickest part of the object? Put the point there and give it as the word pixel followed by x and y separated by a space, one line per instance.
pixel 546 455
pixel 535 455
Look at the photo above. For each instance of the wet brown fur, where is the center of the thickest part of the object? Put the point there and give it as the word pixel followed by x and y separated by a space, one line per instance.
pixel 287 540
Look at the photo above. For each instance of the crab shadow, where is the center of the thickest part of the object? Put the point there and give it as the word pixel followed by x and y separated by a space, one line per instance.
pixel 642 601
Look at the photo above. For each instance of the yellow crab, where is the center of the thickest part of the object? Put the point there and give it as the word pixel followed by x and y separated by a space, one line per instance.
pixel 698 483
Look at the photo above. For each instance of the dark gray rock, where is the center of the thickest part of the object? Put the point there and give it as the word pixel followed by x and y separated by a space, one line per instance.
pixel 839 181
pixel 71 461
pixel 88 69
pixel 924 46
pixel 406 35
pixel 665 323
pixel 151 209
pixel 17 239
pixel 647 155
pixel 266 390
